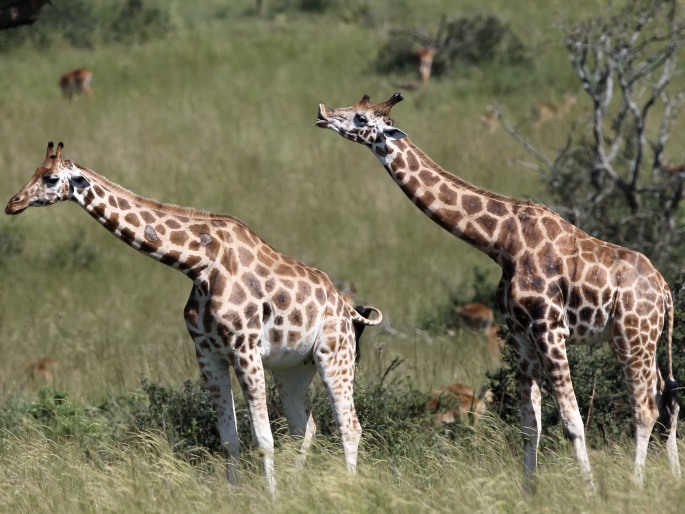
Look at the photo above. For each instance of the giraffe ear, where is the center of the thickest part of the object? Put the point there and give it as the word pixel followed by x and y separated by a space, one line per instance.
pixel 393 133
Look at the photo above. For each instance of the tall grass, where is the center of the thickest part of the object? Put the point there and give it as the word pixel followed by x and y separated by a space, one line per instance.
pixel 220 116
pixel 478 473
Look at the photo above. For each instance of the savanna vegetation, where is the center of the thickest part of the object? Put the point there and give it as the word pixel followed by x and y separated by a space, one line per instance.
pixel 212 105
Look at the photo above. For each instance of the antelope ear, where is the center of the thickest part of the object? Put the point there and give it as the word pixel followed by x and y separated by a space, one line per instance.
pixel 393 133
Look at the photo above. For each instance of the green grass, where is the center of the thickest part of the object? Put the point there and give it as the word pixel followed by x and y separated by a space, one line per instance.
pixel 220 116
pixel 470 475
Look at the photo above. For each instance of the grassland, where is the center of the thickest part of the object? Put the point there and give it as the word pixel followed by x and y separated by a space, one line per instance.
pixel 220 116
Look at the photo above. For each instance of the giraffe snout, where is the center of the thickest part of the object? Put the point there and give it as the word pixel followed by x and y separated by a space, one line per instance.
pixel 321 120
pixel 15 205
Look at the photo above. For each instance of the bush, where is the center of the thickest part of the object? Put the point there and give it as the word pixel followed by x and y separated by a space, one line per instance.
pixel 56 415
pixel 136 23
pixel 82 24
pixel 468 40
pixel 187 417
pixel 72 21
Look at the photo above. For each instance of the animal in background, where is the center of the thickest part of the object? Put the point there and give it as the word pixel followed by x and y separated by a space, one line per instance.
pixel 425 56
pixel 490 120
pixel 76 82
pixel 457 403
pixel 43 368
pixel 545 111
pixel 480 318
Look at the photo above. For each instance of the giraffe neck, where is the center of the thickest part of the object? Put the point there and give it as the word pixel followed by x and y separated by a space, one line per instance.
pixel 478 217
pixel 185 239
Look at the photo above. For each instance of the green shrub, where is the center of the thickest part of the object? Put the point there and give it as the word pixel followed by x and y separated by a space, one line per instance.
pixel 82 24
pixel 72 21
pixel 56 415
pixel 187 417
pixel 467 40
pixel 135 23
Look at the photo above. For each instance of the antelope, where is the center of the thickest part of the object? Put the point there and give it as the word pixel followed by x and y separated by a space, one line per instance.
pixel 76 82
pixel 425 56
pixel 479 317
pixel 545 111
pixel 44 367
pixel 456 402
pixel 490 119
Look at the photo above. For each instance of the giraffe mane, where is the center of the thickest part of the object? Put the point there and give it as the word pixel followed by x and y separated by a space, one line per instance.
pixel 149 203
pixel 471 187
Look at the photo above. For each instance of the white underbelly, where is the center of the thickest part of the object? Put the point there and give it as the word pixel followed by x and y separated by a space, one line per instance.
pixel 594 336
pixel 281 354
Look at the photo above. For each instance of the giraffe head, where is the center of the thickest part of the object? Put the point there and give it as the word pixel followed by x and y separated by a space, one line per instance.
pixel 364 122
pixel 54 181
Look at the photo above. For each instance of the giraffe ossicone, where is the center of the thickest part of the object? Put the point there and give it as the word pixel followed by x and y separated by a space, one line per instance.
pixel 559 285
pixel 251 308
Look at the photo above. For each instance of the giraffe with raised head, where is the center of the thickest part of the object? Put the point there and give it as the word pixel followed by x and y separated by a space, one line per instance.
pixel 559 285
pixel 250 308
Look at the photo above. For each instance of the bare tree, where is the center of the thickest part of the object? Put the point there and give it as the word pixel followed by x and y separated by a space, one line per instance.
pixel 613 177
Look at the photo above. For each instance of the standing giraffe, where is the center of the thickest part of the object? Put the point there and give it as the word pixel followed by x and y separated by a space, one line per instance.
pixel 251 307
pixel 559 285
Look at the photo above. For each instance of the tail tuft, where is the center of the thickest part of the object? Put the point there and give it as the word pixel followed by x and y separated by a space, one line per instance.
pixel 359 330
pixel 669 406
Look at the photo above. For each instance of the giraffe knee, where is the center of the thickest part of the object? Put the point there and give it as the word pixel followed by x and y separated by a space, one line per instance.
pixel 572 426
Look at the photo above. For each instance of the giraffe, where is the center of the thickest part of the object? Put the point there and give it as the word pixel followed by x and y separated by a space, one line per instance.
pixel 250 308
pixel 559 286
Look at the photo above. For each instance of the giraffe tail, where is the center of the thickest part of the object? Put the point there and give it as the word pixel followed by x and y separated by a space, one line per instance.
pixel 362 312
pixel 667 397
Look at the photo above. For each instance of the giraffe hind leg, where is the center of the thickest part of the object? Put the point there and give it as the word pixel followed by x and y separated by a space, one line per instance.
pixel 293 386
pixel 632 355
pixel 249 370
pixel 335 361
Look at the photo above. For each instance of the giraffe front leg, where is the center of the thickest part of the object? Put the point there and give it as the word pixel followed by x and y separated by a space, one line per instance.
pixel 335 361
pixel 552 349
pixel 249 370
pixel 293 385
pixel 531 419
pixel 218 384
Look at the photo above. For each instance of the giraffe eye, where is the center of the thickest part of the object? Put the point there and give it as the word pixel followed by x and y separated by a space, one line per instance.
pixel 361 118
pixel 51 180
